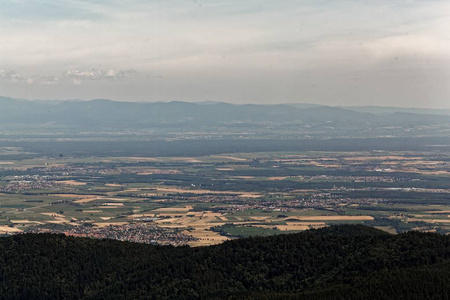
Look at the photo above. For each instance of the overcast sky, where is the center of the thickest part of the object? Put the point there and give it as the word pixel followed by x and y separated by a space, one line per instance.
pixel 362 52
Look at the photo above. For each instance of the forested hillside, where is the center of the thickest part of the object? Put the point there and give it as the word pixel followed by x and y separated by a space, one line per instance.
pixel 340 262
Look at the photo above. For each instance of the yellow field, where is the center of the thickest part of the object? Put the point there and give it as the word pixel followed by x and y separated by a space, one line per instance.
pixel 186 159
pixel 195 220
pixel 206 237
pixel 73 182
pixel 292 227
pixel 24 222
pixel 310 224
pixel 336 218
pixel 199 191
pixel 57 221
pixel 259 218
pixel 173 209
pixel 230 157
pixel 7 229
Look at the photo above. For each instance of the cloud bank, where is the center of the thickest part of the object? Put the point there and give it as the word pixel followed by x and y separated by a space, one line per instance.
pixel 69 76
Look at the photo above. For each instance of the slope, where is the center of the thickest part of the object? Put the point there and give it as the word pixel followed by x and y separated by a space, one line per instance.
pixel 315 263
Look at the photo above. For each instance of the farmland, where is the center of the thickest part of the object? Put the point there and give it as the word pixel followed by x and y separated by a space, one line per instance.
pixel 207 199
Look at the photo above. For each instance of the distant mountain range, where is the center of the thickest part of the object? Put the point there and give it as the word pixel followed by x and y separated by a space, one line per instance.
pixel 388 110
pixel 102 114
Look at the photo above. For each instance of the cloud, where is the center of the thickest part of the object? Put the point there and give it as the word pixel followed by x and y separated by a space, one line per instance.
pixel 95 74
pixel 44 80
pixel 75 77
pixel 9 75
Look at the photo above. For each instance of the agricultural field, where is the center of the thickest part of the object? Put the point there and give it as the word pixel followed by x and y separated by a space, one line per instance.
pixel 203 200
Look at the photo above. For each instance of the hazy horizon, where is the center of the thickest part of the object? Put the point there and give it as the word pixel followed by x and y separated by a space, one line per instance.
pixel 226 102
pixel 346 53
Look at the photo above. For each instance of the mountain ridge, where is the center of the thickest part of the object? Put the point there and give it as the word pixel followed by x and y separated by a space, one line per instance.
pixel 218 117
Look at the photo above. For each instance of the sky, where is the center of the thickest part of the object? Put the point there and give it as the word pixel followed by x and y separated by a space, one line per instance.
pixel 332 52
